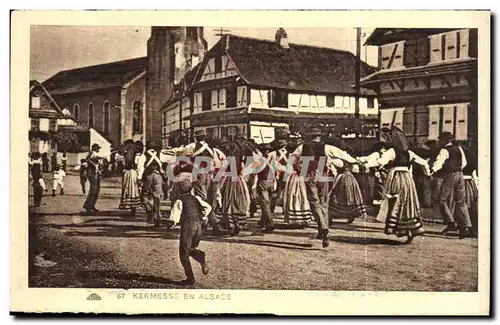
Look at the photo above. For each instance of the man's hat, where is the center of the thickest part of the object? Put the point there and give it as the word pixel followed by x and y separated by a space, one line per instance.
pixel 446 136
pixel 265 146
pixel 96 146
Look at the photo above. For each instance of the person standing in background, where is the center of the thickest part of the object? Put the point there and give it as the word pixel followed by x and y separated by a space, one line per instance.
pixel 53 161
pixel 64 161
pixel 45 162
pixel 94 177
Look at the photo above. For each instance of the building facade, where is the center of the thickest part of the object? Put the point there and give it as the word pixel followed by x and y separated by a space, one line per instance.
pixel 46 118
pixel 427 81
pixel 253 87
pixel 121 100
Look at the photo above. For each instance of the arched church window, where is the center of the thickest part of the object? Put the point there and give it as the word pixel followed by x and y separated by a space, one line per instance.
pixel 137 120
pixel 76 111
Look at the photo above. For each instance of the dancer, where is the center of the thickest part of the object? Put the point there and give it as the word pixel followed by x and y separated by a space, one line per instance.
pixel 279 158
pixel 346 199
pixel 130 198
pixel 38 182
pixel 317 189
pixel 296 207
pixel 400 209
pixel 471 180
pixel 190 211
pixel 235 196
pixel 153 188
pixel 58 180
pixel 451 160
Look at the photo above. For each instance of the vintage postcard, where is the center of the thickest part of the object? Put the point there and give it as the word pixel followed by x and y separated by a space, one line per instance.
pixel 250 162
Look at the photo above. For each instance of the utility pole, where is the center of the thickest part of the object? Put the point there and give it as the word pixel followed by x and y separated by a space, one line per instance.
pixel 221 32
pixel 357 76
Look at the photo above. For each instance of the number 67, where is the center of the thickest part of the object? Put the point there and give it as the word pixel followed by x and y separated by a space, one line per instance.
pixel 120 296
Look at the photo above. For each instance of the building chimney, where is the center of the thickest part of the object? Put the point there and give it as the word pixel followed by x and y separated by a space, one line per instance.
pixel 282 38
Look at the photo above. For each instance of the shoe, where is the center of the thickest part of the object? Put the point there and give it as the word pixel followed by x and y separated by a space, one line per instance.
pixel 269 229
pixel 204 265
pixel 409 240
pixel 350 220
pixel 464 233
pixel 449 227
pixel 326 241
pixel 94 210
pixel 235 231
pixel 188 282
pixel 62 192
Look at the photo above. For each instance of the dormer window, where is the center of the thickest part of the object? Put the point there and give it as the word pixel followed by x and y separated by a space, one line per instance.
pixel 35 102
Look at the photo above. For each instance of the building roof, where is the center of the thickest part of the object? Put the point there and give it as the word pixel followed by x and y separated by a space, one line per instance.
pixel 53 111
pixel 96 77
pixel 299 67
pixel 382 36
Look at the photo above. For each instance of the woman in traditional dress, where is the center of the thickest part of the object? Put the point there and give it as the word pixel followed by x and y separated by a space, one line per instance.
pixel 130 198
pixel 346 200
pixel 235 196
pixel 296 208
pixel 471 192
pixel 400 209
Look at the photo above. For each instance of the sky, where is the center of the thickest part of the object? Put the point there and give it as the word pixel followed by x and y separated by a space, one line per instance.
pixel 56 48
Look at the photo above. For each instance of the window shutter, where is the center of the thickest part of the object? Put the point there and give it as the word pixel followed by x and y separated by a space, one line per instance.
pixel 434 122
pixel 255 97
pixel 215 99
pixel 461 123
pixel 293 100
pixel 398 57
pixel 211 67
pixel 314 102
pixel 448 112
pixel 224 64
pixel 464 43
pixel 321 101
pixel 242 96
pixel 222 98
pixel 305 101
pixel 264 95
pixel 451 45
pixel 352 104
pixel 338 101
pixel 35 102
pixel 435 48
pixel 386 52
pixel 196 104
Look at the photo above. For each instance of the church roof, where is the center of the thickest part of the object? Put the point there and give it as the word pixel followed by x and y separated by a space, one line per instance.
pixel 299 67
pixel 96 77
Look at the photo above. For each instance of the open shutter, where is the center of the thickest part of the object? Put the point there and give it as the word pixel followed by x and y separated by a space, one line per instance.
pixel 305 102
pixel 264 98
pixel 242 96
pixel 225 60
pixel 215 99
pixel 222 98
pixel 398 55
pixel 451 45
pixel 464 43
pixel 255 98
pixel 293 101
pixel 385 53
pixel 461 123
pixel 321 102
pixel 211 67
pixel 196 104
pixel 338 102
pixel 448 112
pixel 314 102
pixel 434 122
pixel 436 48
pixel 387 116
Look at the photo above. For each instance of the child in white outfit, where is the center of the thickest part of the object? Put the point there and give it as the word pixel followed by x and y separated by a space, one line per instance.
pixel 58 175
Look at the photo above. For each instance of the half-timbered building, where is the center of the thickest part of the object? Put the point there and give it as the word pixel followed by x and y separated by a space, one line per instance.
pixel 427 81
pixel 253 87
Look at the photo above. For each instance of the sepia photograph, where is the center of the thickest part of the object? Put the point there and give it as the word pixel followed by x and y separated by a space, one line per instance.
pixel 218 158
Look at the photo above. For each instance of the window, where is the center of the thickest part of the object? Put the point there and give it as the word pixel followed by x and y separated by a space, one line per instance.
pixel 242 96
pixel 106 118
pixel 192 33
pixel 76 111
pixel 259 97
pixel 91 115
pixel 448 118
pixel 449 46
pixel 330 101
pixel 52 125
pixel 392 116
pixel 197 102
pixel 370 102
pixel 35 102
pixel 206 101
pixel 35 124
pixel 137 118
pixel 231 95
pixel 280 98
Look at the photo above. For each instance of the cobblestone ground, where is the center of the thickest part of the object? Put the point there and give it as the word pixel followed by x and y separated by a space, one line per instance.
pixel 114 249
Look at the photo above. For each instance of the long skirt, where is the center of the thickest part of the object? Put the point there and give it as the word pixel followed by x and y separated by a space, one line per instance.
pixel 346 200
pixel 363 181
pixel 471 199
pixel 296 206
pixel 400 208
pixel 235 199
pixel 130 192
pixel 424 190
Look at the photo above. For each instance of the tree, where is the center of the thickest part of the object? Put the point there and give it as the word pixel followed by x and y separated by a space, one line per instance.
pixel 66 140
